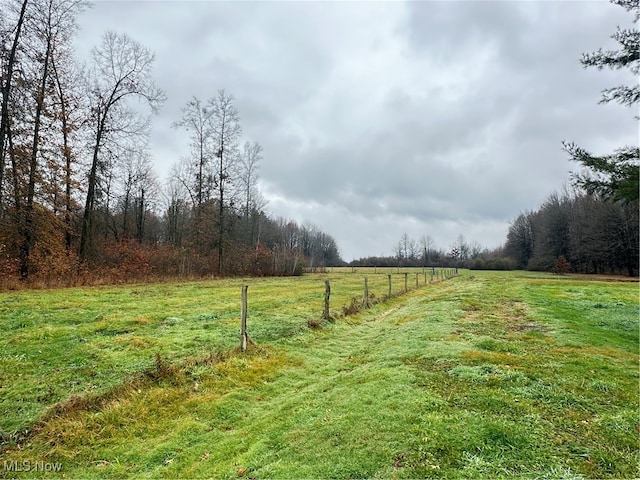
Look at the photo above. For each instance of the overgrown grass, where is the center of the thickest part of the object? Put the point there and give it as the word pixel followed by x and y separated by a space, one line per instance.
pixel 486 375
pixel 85 341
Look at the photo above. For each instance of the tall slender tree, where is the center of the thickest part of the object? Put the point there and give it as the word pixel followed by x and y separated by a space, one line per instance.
pixel 225 125
pixel 5 86
pixel 253 202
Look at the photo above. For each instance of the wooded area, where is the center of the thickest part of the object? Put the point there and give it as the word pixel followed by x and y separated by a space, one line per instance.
pixel 593 235
pixel 79 198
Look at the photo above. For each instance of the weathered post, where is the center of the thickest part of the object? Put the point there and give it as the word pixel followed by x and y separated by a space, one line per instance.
pixel 389 277
pixel 244 337
pixel 406 275
pixel 327 294
pixel 417 281
pixel 366 293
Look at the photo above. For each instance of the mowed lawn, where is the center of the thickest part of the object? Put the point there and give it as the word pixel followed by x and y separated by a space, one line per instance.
pixel 482 375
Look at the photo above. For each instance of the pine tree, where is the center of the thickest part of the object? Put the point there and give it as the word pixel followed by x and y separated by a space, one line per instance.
pixel 614 176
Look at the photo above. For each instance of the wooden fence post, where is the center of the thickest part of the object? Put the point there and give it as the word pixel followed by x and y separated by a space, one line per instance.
pixel 417 281
pixel 389 276
pixel 244 337
pixel 366 293
pixel 406 275
pixel 327 294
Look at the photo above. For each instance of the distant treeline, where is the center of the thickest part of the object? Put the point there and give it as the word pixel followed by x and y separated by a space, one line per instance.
pixel 592 234
pixel 570 232
pixel 423 253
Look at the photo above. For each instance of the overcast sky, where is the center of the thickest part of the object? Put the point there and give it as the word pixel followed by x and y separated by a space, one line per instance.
pixel 379 118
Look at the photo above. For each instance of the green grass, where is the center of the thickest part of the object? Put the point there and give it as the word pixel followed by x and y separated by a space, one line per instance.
pixel 484 375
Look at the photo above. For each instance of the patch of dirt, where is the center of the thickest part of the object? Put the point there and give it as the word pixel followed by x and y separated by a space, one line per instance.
pixel 606 278
pixel 530 326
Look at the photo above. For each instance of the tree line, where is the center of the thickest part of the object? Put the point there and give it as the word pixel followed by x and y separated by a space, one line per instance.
pixel 592 234
pixel 79 197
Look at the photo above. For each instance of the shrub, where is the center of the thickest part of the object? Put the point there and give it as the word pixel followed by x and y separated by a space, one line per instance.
pixel 562 266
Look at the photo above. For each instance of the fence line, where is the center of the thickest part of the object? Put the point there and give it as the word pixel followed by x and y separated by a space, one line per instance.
pixel 356 305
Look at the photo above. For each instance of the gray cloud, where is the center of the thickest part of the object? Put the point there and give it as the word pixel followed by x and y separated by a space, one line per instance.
pixel 435 118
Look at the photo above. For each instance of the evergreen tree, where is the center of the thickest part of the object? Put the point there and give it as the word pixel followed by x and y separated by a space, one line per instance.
pixel 614 176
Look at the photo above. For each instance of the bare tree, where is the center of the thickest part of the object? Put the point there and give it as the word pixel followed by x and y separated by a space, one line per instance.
pixel 426 243
pixel 177 209
pixel 463 248
pixel 7 75
pixel 137 188
pixel 412 250
pixel 196 119
pixel 121 71
pixel 249 166
pixel 225 124
pixel 70 113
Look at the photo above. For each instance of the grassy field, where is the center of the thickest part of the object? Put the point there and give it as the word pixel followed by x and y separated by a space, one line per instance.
pixel 483 375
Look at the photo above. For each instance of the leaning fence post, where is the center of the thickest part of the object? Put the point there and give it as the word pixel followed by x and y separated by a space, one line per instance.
pixel 389 276
pixel 327 294
pixel 244 338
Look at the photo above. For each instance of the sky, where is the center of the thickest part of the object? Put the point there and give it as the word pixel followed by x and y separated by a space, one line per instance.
pixel 438 118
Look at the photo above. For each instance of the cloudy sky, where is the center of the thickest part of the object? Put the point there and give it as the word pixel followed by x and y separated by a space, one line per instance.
pixel 378 118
